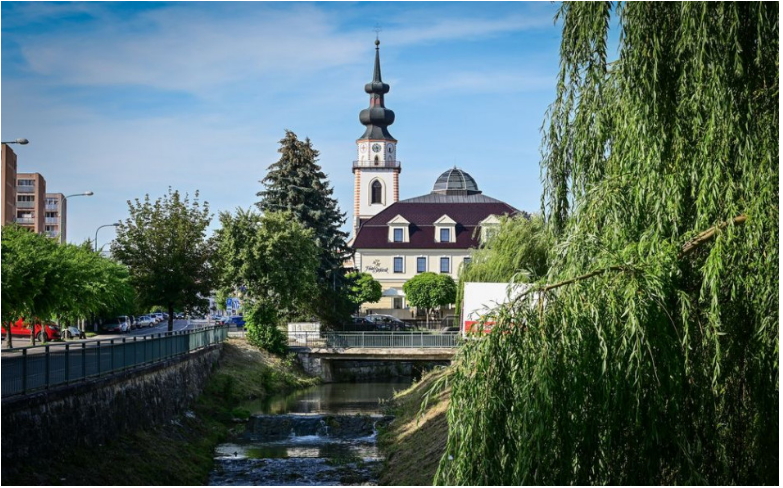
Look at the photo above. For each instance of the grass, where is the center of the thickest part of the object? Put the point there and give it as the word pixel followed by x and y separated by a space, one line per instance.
pixel 415 441
pixel 180 452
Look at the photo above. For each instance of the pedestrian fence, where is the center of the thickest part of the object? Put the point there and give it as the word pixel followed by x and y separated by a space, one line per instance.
pixel 30 369
pixel 374 340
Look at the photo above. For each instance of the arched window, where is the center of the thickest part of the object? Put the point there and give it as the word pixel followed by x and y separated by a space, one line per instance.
pixel 376 192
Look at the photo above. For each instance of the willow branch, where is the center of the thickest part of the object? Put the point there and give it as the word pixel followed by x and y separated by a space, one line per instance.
pixel 687 248
pixel 708 234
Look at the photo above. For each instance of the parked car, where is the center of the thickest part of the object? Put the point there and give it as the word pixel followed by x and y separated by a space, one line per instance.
pixel 145 321
pixel 44 331
pixel 235 320
pixel 73 332
pixel 388 323
pixel 128 323
pixel 112 325
pixel 158 316
pixel 361 324
pixel 450 328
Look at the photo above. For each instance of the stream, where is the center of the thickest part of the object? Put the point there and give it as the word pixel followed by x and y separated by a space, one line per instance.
pixel 324 435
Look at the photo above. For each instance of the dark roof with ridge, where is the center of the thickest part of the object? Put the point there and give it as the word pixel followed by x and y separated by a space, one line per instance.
pixel 422 212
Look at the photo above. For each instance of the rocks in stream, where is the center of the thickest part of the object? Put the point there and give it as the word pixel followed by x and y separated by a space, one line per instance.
pixel 271 427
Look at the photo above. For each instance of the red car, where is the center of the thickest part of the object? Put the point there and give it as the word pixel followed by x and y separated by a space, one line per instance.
pixel 48 331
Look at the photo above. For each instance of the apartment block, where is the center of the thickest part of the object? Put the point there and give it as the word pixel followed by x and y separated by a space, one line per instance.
pixel 54 218
pixel 30 201
pixel 9 184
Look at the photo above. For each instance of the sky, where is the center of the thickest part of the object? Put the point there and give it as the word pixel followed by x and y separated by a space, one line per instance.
pixel 130 98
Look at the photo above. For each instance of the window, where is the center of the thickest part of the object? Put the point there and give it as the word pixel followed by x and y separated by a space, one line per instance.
pixel 421 265
pixel 397 303
pixel 398 264
pixel 444 265
pixel 25 182
pixel 397 235
pixel 466 261
pixel 376 192
pixel 445 235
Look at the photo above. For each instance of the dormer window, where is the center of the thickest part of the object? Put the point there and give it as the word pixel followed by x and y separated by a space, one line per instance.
pixel 445 229
pixel 489 227
pixel 398 229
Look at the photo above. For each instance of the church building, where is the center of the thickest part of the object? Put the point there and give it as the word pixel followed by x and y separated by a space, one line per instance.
pixel 396 239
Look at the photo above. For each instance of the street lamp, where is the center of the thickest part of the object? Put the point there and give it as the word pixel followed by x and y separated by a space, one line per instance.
pixel 62 209
pixel 21 141
pixel 99 228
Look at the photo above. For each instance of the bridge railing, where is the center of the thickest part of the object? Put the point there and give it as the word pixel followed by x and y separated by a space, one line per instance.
pixel 29 369
pixel 374 340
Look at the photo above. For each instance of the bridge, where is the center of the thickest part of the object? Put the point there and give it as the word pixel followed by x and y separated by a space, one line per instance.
pixel 319 352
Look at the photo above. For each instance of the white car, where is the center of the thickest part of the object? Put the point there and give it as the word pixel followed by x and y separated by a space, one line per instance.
pixel 145 321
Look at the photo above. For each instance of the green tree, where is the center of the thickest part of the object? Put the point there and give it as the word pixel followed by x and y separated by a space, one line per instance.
pixel 165 247
pixel 296 184
pixel 363 288
pixel 274 259
pixel 517 251
pixel 44 279
pixel 430 291
pixel 655 357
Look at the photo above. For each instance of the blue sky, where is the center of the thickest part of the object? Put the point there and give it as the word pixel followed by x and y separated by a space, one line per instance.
pixel 127 99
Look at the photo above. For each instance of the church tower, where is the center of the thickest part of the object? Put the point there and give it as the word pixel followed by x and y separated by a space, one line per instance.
pixel 376 170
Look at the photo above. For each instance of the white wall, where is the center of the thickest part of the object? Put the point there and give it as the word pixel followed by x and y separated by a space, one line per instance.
pixel 365 180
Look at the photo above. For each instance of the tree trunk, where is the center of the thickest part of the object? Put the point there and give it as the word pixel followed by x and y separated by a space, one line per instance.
pixel 171 317
pixel 9 342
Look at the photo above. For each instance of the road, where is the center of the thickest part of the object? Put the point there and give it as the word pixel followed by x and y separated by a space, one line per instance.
pixel 30 368
pixel 137 334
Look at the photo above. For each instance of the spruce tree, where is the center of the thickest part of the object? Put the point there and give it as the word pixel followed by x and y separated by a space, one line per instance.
pixel 296 184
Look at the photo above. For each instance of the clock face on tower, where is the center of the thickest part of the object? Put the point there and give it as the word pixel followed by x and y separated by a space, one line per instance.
pixel 376 147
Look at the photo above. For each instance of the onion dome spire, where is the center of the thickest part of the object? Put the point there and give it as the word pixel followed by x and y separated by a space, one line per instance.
pixel 377 117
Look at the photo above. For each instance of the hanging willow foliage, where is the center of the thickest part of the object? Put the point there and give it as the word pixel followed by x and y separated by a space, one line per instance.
pixel 655 358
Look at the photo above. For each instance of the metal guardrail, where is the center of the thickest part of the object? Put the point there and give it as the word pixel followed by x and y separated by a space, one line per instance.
pixel 25 370
pixel 374 340
pixel 373 164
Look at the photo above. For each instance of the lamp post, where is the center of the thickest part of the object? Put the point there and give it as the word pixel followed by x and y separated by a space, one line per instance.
pixel 63 228
pixel 99 228
pixel 21 141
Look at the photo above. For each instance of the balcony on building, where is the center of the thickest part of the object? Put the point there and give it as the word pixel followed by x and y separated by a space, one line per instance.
pixel 374 164
pixel 25 204
pixel 25 188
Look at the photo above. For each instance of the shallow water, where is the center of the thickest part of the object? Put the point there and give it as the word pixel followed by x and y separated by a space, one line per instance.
pixel 324 435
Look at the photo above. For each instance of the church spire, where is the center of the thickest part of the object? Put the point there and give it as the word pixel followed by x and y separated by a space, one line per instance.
pixel 377 117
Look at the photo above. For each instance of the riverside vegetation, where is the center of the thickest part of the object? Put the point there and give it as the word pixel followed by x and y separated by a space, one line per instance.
pixel 180 452
pixel 647 350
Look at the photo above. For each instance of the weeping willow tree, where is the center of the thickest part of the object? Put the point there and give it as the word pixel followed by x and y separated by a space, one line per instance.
pixel 517 251
pixel 649 354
